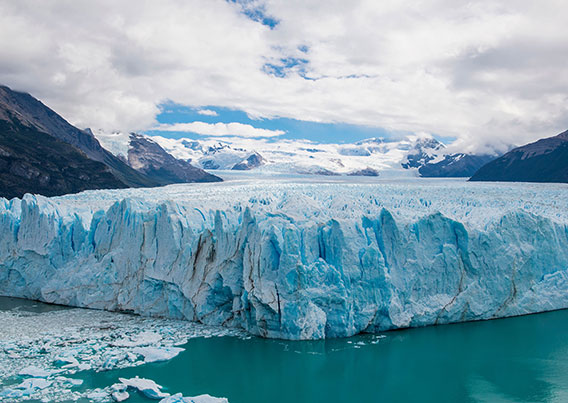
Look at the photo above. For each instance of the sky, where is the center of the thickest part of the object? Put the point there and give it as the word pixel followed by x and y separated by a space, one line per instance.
pixel 488 74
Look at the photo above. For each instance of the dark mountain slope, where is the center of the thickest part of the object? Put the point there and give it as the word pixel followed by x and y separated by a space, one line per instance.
pixel 29 112
pixel 34 162
pixel 454 166
pixel 148 157
pixel 543 161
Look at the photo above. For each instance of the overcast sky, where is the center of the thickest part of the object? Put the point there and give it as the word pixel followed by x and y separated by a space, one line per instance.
pixel 489 73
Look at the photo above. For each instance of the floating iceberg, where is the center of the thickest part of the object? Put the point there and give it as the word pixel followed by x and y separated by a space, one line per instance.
pixel 153 354
pixel 178 398
pixel 147 387
pixel 295 261
pixel 35 372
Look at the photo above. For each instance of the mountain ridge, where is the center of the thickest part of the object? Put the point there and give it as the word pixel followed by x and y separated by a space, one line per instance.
pixel 545 160
pixel 40 152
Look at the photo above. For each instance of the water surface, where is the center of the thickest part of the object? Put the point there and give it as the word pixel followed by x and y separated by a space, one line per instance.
pixel 522 359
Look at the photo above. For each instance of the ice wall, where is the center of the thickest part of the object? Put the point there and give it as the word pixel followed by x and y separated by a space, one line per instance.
pixel 301 262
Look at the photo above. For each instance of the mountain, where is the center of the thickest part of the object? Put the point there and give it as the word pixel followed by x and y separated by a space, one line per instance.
pixel 545 160
pixel 40 152
pixel 424 151
pixel 454 166
pixel 252 161
pixel 29 112
pixel 143 154
pixel 417 155
pixel 33 162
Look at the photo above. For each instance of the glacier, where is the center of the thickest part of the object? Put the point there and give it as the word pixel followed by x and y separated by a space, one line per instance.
pixel 291 260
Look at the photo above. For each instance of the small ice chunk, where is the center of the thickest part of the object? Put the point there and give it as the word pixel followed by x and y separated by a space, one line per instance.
pixel 119 387
pixel 72 381
pixel 120 396
pixel 207 399
pixel 147 386
pixel 35 372
pixel 153 354
pixel 111 362
pixel 141 339
pixel 33 384
pixel 11 393
pixel 97 395
pixel 178 398
pixel 67 361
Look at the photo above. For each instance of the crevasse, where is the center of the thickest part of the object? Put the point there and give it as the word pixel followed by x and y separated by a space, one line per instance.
pixel 303 263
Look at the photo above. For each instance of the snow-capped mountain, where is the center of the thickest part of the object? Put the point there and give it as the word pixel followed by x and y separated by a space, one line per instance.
pixel 145 155
pixel 415 155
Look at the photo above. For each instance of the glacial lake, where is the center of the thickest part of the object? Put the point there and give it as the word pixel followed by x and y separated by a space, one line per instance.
pixel 523 359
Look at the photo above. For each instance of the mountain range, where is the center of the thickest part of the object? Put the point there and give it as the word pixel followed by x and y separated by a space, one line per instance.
pixel 415 155
pixel 40 152
pixel 545 160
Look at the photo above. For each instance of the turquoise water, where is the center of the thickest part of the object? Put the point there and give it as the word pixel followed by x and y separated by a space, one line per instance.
pixel 521 359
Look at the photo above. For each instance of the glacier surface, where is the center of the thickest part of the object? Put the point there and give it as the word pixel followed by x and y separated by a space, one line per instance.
pixel 295 260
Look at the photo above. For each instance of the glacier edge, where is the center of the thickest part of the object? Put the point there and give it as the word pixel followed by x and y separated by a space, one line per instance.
pixel 280 276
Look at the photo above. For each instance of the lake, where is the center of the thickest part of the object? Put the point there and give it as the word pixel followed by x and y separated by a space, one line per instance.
pixel 523 359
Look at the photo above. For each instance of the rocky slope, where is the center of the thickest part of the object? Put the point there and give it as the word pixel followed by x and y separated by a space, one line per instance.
pixel 545 160
pixel 454 166
pixel 30 112
pixel 148 157
pixel 42 153
pixel 34 162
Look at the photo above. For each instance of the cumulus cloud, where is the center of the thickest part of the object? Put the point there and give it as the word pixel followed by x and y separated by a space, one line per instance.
pixel 491 73
pixel 207 112
pixel 219 129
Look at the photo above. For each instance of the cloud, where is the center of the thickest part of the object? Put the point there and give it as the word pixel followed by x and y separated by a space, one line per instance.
pixel 207 112
pixel 491 73
pixel 219 129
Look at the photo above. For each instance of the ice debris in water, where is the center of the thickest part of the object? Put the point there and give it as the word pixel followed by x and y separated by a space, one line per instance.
pixel 38 351
pixel 152 390
pixel 178 398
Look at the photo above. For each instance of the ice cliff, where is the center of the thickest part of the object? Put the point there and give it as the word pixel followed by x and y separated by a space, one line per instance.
pixel 294 261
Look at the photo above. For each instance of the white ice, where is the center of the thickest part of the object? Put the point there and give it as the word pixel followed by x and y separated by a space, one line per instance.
pixel 295 260
pixel 148 387
pixel 153 354
pixel 43 349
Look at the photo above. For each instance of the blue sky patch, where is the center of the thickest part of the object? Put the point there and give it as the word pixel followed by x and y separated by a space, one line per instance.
pixel 285 66
pixel 256 12
pixel 295 129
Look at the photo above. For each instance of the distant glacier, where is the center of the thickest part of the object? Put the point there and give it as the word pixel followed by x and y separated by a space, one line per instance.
pixel 295 261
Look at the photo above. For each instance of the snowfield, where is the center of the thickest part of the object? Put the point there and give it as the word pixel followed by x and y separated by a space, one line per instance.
pixel 284 259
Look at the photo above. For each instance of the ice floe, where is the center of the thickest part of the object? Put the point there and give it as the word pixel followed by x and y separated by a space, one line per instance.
pixel 42 354
pixel 147 387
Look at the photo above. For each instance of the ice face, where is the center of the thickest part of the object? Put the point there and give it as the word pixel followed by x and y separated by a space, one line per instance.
pixel 295 261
